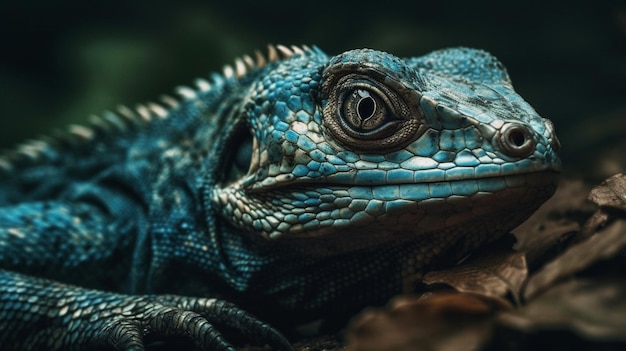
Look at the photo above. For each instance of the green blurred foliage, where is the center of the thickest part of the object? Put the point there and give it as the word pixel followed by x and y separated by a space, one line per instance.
pixel 62 61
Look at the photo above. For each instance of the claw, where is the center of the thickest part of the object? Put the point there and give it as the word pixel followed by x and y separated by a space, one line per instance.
pixel 125 335
pixel 180 323
pixel 260 332
pixel 226 314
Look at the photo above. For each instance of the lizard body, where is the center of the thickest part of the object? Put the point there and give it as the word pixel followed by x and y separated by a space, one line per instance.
pixel 296 185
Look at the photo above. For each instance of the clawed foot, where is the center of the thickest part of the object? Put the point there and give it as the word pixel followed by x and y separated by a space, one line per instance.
pixel 128 324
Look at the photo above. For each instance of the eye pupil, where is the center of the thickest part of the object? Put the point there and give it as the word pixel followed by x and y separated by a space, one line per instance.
pixel 366 107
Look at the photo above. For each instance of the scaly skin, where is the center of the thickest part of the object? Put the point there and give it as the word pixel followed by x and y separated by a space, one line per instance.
pixel 298 187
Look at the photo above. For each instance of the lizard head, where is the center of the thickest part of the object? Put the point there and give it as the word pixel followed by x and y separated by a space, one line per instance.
pixel 367 145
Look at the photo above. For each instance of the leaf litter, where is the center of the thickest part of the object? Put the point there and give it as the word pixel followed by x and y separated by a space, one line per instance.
pixel 562 286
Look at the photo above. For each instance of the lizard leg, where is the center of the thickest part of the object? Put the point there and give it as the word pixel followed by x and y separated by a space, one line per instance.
pixel 80 243
pixel 40 314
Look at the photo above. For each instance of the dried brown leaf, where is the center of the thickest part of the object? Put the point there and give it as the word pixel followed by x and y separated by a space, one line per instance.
pixel 542 235
pixel 495 274
pixel 611 193
pixel 605 244
pixel 610 197
pixel 598 219
pixel 591 308
pixel 435 322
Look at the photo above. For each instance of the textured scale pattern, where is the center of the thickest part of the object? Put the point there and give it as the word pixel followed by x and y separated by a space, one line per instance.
pixel 294 185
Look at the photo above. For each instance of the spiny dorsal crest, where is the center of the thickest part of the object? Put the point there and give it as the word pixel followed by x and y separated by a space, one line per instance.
pixel 126 119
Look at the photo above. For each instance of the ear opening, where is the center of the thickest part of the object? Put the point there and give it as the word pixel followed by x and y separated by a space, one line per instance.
pixel 238 158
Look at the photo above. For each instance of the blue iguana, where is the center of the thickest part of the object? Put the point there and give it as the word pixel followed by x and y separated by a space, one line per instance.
pixel 294 185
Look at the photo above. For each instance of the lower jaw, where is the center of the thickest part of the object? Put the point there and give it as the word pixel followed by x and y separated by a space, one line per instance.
pixel 424 207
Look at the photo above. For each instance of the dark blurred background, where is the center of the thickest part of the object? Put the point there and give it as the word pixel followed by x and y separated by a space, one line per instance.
pixel 64 60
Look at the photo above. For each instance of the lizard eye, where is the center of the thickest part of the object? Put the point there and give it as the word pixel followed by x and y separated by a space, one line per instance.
pixel 368 115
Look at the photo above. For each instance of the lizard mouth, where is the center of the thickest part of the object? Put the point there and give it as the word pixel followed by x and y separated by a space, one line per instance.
pixel 463 181
pixel 300 208
pixel 427 190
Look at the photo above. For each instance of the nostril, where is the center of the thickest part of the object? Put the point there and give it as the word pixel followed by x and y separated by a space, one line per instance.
pixel 515 140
